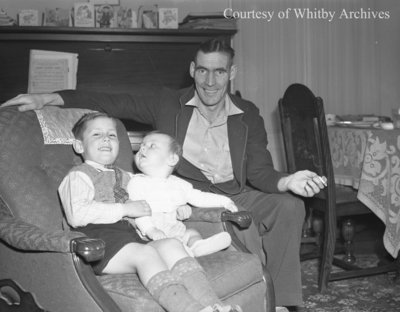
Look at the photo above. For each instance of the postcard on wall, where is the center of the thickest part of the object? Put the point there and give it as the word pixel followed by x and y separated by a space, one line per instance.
pixel 148 16
pixel 57 17
pixel 126 18
pixel 5 19
pixel 50 71
pixel 105 16
pixel 28 18
pixel 83 14
pixel 168 18
pixel 101 2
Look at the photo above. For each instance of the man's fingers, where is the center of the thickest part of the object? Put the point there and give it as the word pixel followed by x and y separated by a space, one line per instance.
pixel 306 190
pixel 313 186
pixel 26 107
pixel 15 101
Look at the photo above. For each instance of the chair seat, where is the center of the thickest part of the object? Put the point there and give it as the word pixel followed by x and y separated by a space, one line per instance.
pixel 228 272
pixel 345 194
pixel 347 202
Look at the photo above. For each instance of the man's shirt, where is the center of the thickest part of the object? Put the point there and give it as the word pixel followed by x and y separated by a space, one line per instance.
pixel 206 144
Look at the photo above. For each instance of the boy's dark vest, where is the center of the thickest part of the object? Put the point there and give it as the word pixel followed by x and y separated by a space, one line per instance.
pixel 103 182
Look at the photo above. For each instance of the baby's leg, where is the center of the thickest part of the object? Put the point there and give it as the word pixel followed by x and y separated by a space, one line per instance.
pixel 166 288
pixel 202 247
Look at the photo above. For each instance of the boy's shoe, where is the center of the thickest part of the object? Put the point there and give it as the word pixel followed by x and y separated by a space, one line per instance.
pixel 281 309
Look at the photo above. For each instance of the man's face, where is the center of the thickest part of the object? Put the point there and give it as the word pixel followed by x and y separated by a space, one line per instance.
pixel 211 73
pixel 100 141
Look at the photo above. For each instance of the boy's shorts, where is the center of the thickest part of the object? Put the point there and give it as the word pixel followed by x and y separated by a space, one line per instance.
pixel 115 236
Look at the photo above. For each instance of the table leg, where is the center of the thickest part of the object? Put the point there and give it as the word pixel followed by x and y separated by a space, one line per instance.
pixel 348 236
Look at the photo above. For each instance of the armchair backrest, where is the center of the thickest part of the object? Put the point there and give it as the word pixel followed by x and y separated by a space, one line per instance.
pixel 31 171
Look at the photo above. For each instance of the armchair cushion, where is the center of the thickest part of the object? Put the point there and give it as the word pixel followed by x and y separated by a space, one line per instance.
pixel 229 272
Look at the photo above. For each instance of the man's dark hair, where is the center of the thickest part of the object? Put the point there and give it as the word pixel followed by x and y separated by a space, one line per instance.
pixel 216 45
pixel 80 126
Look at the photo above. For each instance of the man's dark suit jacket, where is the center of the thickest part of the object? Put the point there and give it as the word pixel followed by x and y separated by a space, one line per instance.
pixel 166 112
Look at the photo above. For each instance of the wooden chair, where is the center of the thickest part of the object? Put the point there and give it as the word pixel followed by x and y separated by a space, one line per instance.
pixel 307 147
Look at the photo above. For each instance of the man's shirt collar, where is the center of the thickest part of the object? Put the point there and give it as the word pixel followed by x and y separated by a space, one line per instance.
pixel 230 107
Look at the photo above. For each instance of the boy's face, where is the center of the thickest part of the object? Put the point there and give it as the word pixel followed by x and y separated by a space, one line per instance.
pixel 100 141
pixel 154 157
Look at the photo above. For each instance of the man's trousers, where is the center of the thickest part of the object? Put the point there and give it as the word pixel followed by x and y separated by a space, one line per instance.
pixel 279 219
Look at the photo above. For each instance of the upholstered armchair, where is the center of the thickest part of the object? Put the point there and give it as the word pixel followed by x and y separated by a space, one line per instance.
pixel 44 266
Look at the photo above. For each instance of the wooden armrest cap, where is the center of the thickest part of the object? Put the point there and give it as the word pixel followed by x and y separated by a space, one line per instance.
pixel 241 218
pixel 89 249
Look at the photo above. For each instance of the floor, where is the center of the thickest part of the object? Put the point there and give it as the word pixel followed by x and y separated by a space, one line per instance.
pixel 374 293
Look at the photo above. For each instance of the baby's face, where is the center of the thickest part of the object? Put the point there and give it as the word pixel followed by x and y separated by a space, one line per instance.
pixel 100 141
pixel 154 155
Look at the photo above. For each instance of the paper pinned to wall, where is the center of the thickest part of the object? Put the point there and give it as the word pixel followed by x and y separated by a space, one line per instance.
pixel 51 71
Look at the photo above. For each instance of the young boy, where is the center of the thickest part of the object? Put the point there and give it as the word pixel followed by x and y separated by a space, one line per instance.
pixel 167 194
pixel 92 206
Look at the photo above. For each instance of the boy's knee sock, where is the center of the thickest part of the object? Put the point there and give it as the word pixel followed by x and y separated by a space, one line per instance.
pixel 195 280
pixel 171 294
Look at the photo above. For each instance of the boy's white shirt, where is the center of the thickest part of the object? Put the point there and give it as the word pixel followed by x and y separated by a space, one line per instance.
pixel 164 196
pixel 77 196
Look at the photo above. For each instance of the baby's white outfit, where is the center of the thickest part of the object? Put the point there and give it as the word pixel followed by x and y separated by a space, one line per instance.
pixel 165 195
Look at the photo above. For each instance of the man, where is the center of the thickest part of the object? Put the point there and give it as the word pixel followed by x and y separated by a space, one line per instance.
pixel 224 151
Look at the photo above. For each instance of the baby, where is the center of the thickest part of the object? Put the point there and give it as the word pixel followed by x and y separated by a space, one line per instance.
pixel 169 195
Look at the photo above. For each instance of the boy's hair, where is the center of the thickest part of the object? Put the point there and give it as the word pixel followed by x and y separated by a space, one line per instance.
pixel 80 126
pixel 216 45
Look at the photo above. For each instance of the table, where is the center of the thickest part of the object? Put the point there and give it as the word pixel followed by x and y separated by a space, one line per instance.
pixel 369 160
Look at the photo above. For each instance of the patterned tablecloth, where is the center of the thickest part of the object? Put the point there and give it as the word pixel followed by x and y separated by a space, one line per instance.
pixel 369 160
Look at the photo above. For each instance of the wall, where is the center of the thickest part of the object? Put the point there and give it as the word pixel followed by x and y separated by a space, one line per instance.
pixel 388 55
pixel 352 64
pixel 185 6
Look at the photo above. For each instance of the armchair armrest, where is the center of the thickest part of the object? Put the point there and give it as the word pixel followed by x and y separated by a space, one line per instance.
pixel 242 218
pixel 229 220
pixel 89 249
pixel 216 215
pixel 24 236
pixel 212 215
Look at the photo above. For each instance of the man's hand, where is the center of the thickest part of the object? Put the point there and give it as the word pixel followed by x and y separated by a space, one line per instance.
pixel 28 102
pixel 304 183
pixel 155 234
pixel 183 212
